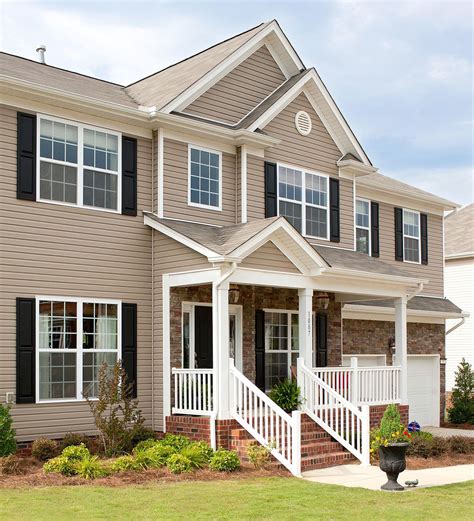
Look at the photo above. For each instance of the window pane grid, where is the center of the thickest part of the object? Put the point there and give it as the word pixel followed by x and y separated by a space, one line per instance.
pixel 204 178
pixel 411 236
pixel 362 226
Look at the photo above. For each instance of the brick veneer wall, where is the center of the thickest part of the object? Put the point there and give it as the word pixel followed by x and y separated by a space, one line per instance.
pixel 376 413
pixel 373 336
pixel 251 298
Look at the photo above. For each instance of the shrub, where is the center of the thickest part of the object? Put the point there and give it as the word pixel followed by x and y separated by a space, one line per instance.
pixel 140 434
pixel 422 434
pixel 124 463
pixel 259 455
pixel 177 463
pixel 462 397
pixel 76 452
pixel 7 433
pixel 90 468
pixel 461 444
pixel 116 414
pixel 176 441
pixel 73 438
pixel 12 465
pixel 287 395
pixel 145 444
pixel 224 461
pixel 419 447
pixel 159 454
pixel 60 465
pixel 198 454
pixel 390 431
pixel 438 446
pixel 44 449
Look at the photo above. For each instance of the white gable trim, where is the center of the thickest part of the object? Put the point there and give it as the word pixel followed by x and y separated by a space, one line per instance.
pixel 232 61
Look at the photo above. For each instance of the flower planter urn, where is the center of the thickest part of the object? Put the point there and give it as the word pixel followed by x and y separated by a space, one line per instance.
pixel 392 462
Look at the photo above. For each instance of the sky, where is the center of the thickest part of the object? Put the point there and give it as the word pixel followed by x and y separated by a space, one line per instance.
pixel 401 72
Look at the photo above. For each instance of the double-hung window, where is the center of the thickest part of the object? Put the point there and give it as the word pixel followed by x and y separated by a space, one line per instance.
pixel 78 165
pixel 363 226
pixel 411 236
pixel 75 337
pixel 205 178
pixel 303 200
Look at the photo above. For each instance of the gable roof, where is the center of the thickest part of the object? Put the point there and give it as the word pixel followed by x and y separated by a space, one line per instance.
pixel 459 233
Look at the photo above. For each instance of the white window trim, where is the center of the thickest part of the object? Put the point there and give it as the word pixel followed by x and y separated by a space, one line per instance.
pixel 79 350
pixel 303 202
pixel 80 164
pixel 198 205
pixel 411 236
pixel 363 227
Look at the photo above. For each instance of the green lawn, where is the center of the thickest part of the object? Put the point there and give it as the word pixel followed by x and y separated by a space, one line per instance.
pixel 270 498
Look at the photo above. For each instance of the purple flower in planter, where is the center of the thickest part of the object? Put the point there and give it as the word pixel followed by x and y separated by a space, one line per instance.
pixel 414 427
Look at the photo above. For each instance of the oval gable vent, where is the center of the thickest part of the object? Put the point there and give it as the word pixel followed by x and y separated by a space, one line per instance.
pixel 303 123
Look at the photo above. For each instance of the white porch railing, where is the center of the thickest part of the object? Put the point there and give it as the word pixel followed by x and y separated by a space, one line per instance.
pixel 193 391
pixel 265 420
pixel 349 424
pixel 363 385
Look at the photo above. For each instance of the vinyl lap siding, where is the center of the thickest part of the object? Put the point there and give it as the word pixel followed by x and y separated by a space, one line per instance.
pixel 235 95
pixel 269 257
pixel 59 251
pixel 433 271
pixel 175 187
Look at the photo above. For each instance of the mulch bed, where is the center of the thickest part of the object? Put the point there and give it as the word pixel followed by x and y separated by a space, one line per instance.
pixel 463 426
pixel 441 461
pixel 34 477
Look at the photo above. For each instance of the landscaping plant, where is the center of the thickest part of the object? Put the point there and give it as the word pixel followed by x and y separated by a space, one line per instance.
pixel 91 467
pixel 177 464
pixel 224 461
pixel 44 449
pixel 124 463
pixel 287 395
pixel 462 396
pixel 176 441
pixel 7 433
pixel 259 455
pixel 12 465
pixel 198 454
pixel 116 414
pixel 391 430
pixel 73 438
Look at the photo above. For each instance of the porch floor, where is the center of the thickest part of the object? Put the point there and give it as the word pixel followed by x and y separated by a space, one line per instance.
pixel 372 477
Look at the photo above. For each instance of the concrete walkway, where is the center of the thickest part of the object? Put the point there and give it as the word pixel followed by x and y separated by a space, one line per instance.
pixel 373 478
pixel 446 433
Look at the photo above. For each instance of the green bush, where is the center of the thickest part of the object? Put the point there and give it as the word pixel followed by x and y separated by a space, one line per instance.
pixel 7 433
pixel 44 449
pixel 259 455
pixel 461 444
pixel 159 454
pixel 145 444
pixel 13 465
pixel 76 452
pixel 176 441
pixel 462 397
pixel 224 461
pixel 422 434
pixel 124 464
pixel 198 454
pixel 287 395
pixel 90 468
pixel 140 434
pixel 426 447
pixel 61 465
pixel 177 463
pixel 73 438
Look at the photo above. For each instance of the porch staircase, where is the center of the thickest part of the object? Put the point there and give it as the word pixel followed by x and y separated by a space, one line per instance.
pixel 318 448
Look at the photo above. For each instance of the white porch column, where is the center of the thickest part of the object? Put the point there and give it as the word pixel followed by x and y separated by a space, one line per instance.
pixel 401 350
pixel 305 325
pixel 220 339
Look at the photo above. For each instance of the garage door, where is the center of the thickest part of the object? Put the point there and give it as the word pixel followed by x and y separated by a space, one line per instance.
pixel 423 389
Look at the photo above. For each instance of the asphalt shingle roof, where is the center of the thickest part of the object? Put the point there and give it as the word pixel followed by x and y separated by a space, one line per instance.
pixel 418 303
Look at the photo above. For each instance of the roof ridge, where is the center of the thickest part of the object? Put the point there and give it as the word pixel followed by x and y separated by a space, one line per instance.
pixel 196 54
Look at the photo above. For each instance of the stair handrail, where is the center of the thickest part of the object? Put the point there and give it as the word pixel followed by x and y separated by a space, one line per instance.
pixel 347 423
pixel 268 423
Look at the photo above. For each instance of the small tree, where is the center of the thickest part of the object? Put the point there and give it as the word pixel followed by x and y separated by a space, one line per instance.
pixel 116 414
pixel 462 397
pixel 7 432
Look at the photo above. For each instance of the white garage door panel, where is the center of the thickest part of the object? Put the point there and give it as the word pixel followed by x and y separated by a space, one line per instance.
pixel 423 390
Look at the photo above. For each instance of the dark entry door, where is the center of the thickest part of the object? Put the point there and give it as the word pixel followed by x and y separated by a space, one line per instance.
pixel 203 336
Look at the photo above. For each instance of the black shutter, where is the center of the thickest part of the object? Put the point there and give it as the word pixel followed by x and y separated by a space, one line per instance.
pixel 129 176
pixel 26 157
pixel 321 340
pixel 424 238
pixel 398 234
pixel 270 189
pixel 334 210
pixel 25 350
pixel 374 229
pixel 260 349
pixel 129 344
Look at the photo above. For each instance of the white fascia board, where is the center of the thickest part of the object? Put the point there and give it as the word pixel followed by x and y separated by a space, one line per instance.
pixel 229 63
pixel 354 168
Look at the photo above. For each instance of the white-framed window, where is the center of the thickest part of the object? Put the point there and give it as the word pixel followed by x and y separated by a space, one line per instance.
pixel 204 178
pixel 411 236
pixel 74 337
pixel 362 226
pixel 303 200
pixel 78 165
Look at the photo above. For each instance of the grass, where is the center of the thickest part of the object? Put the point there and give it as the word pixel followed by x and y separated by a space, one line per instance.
pixel 269 498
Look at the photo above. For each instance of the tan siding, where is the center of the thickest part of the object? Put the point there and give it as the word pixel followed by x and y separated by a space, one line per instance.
pixel 169 257
pixel 175 187
pixel 434 270
pixel 269 257
pixel 235 95
pixel 59 251
pixel 255 188
pixel 316 152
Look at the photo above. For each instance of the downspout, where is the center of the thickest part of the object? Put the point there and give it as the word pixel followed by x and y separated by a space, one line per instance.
pixel 459 324
pixel 213 417
pixel 418 290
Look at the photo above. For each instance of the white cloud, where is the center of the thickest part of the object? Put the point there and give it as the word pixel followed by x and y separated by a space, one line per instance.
pixel 448 68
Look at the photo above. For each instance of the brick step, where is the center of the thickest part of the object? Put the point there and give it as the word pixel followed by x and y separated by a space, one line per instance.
pixel 326 460
pixel 321 448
